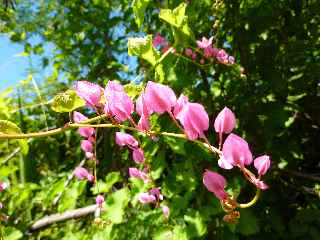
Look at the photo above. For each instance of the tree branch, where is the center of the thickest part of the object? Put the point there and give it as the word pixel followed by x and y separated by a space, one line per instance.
pixel 59 217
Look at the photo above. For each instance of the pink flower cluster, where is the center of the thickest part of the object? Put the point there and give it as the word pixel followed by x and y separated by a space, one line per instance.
pixel 81 173
pixel 235 153
pixel 205 46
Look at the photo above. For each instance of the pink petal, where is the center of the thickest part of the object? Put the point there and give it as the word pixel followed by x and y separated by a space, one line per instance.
pixel 166 211
pixel 262 164
pixel 78 117
pixel 89 92
pixel 99 200
pixel 81 173
pixel 138 155
pixel 123 139
pixel 225 121
pixel 86 146
pixel 86 132
pixel 146 198
pixel 215 183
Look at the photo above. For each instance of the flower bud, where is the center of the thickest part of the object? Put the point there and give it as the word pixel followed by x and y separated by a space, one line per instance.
pixel 262 164
pixel 225 121
pixel 215 183
pixel 166 211
pixel 138 155
pixel 99 200
pixel 123 139
pixel 146 198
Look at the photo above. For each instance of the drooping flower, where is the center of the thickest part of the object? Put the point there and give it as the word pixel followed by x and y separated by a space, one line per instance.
pixel 181 102
pixel 120 106
pixel 165 211
pixel 262 164
pixel 146 198
pixel 215 183
pixel 144 123
pixel 194 120
pixel 225 121
pixel 222 56
pixel 90 92
pixel 136 173
pixel 156 192
pixel 99 200
pixel 91 178
pixel 235 152
pixel 81 173
pixel 125 139
pixel 86 132
pixel 86 146
pixel 138 155
pixel 144 111
pixel 159 98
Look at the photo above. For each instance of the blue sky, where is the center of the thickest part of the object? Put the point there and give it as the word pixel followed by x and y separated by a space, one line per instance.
pixel 12 67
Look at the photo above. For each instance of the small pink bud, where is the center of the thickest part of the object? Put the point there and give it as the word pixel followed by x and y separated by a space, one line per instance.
pixel 231 60
pixel 166 211
pixel 194 120
pixel 225 121
pixel 235 152
pixel 90 178
pixel 146 198
pixel 138 155
pixel 99 200
pixel 136 173
pixel 123 139
pixel 262 164
pixel 86 132
pixel 215 183
pixel 79 117
pixel 202 61
pixel 81 173
pixel 159 98
pixel 159 40
pixel 86 146
pixel 188 52
pixel 89 92
pixel 3 186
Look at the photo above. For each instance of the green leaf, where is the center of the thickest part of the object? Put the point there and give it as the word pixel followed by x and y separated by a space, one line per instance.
pixel 133 90
pixel 7 127
pixel 178 21
pixel 139 7
pixel 142 48
pixel 177 145
pixel 115 206
pixel 248 223
pixel 197 227
pixel 105 187
pixel 67 102
pixel 158 164
pixel 11 233
pixel 70 196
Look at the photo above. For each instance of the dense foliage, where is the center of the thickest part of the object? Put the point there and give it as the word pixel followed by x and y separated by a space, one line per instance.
pixel 273 89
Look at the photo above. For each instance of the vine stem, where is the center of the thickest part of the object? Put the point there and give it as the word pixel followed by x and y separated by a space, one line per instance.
pixel 252 202
pixel 69 126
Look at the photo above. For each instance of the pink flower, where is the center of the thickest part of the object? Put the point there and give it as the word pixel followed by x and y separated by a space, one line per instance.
pixel 3 186
pixel 138 155
pixel 113 86
pixel 159 40
pixel 225 121
pixel 99 200
pixel 123 139
pixel 136 173
pixel 89 155
pixel 215 183
pixel 262 164
pixel 81 173
pixel 89 92
pixel 142 107
pixel 181 102
pixel 222 56
pixel 120 106
pixel 194 120
pixel 231 60
pixel 159 98
pixel 86 131
pixel 204 43
pixel 156 192
pixel 144 123
pixel 146 198
pixel 90 178
pixel 86 146
pixel 165 211
pixel 235 152
pixel 79 117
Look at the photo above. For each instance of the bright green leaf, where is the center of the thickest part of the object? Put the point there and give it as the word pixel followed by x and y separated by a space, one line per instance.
pixel 139 7
pixel 67 101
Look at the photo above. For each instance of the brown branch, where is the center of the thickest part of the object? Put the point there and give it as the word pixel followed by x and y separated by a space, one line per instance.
pixel 301 175
pixel 59 217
